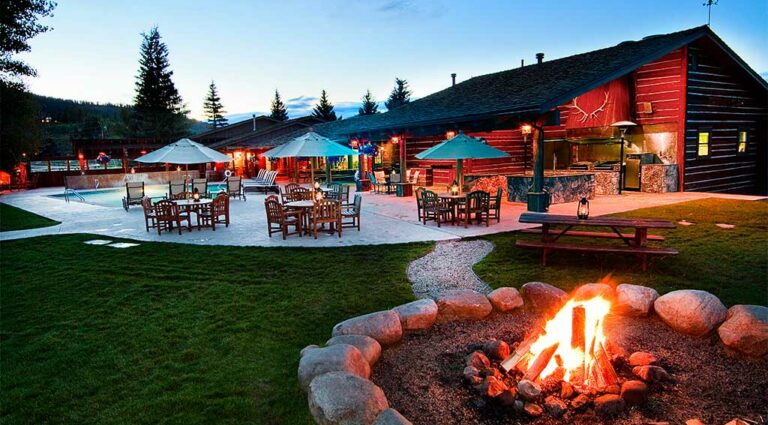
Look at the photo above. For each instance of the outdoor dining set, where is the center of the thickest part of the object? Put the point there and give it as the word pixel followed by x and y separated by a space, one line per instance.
pixel 453 207
pixel 308 211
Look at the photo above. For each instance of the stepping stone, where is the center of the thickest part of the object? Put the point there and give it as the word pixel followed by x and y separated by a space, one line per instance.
pixel 725 226
pixel 122 245
pixel 685 223
pixel 97 242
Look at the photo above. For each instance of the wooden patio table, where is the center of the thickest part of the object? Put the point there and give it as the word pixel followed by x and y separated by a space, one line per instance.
pixel 453 201
pixel 192 206
pixel 634 243
pixel 303 206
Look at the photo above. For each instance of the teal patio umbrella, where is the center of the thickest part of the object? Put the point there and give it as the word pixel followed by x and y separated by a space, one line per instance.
pixel 311 145
pixel 184 151
pixel 459 148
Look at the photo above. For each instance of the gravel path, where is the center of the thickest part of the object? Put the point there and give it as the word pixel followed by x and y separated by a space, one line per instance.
pixel 448 267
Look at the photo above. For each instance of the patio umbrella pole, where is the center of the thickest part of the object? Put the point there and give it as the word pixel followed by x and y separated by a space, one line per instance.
pixel 460 174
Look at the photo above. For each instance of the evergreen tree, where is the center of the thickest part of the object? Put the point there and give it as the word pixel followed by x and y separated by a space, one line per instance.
pixel 324 109
pixel 18 23
pixel 400 95
pixel 213 108
pixel 369 105
pixel 158 108
pixel 278 108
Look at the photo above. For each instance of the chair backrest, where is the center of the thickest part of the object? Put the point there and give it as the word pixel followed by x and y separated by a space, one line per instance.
pixel 326 210
pixel 134 190
pixel 270 177
pixel 201 185
pixel 274 211
pixel 478 199
pixel 429 198
pixel 220 204
pixel 380 178
pixel 234 184
pixel 272 198
pixel 290 187
pixel 344 193
pixel 498 196
pixel 415 177
pixel 420 196
pixel 165 210
pixel 260 174
pixel 176 187
pixel 394 178
pixel 301 194
pixel 146 204
pixel 408 175
pixel 357 203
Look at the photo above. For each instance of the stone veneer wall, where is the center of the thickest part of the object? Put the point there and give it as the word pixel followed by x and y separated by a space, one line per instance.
pixel 606 182
pixel 119 180
pixel 563 188
pixel 658 178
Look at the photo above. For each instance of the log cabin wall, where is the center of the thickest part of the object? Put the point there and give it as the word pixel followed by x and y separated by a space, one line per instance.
pixel 723 99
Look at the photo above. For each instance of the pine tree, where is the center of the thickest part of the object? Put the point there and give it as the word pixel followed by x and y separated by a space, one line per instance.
pixel 400 95
pixel 324 109
pixel 18 24
pixel 158 108
pixel 369 105
pixel 278 108
pixel 213 108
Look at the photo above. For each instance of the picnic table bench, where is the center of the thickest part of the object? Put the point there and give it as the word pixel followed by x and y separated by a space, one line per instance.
pixel 634 243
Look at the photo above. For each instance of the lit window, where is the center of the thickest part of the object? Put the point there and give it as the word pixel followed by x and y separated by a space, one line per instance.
pixel 703 143
pixel 742 147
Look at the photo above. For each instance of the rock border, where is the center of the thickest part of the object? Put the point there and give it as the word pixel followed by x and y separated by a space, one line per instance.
pixel 388 327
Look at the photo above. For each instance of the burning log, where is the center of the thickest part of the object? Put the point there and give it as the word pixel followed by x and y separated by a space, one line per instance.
pixel 602 372
pixel 578 324
pixel 522 353
pixel 540 362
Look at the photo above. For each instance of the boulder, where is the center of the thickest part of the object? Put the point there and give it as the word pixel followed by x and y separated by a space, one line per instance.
pixel 508 397
pixel 641 358
pixel 634 393
pixel 609 405
pixel 307 348
pixel 369 347
pixel 496 349
pixel 690 311
pixel 528 390
pixel 746 329
pixel 461 304
pixel 343 398
pixel 555 406
pixel 492 386
pixel 651 373
pixel 543 296
pixel 505 299
pixel 478 360
pixel 634 300
pixel 391 417
pixel 533 409
pixel 383 326
pixel 417 315
pixel 336 358
pixel 591 290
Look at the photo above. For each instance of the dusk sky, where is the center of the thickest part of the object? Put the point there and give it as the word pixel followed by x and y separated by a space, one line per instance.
pixel 250 48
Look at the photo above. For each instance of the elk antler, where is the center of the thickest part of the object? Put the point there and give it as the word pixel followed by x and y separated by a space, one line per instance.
pixel 587 115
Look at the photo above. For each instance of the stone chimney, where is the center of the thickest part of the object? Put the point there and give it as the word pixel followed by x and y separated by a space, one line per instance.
pixel 539 57
pixel 453 79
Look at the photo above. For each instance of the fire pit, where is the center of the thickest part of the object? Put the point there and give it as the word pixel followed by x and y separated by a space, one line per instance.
pixel 472 359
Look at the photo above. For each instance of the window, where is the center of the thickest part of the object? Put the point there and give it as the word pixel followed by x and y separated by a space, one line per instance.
pixel 703 149
pixel 742 145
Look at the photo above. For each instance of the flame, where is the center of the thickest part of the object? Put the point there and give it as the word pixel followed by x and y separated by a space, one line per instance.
pixel 559 330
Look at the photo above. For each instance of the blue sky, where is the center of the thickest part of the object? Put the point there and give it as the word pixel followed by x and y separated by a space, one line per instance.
pixel 250 48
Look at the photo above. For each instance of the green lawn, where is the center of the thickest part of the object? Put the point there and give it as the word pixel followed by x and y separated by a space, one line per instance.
pixel 175 333
pixel 198 334
pixel 12 218
pixel 732 264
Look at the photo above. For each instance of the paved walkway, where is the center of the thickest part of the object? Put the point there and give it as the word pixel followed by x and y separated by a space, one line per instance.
pixel 386 219
pixel 449 266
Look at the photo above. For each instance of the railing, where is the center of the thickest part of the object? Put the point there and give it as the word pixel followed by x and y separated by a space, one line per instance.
pixel 72 192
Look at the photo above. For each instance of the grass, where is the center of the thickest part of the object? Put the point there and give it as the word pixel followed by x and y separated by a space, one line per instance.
pixel 732 264
pixel 12 218
pixel 175 333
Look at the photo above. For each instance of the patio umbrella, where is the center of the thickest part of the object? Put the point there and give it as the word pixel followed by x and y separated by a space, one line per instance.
pixel 459 148
pixel 309 145
pixel 184 151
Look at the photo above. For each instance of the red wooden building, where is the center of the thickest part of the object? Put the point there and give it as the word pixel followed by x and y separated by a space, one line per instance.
pixel 700 112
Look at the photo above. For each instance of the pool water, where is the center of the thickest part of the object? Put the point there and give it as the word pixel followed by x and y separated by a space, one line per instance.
pixel 114 197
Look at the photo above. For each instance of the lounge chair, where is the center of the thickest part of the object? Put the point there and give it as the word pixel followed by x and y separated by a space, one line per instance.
pixel 202 187
pixel 134 193
pixel 260 175
pixel 415 177
pixel 265 185
pixel 215 212
pixel 235 187
pixel 350 216
pixel 494 208
pixel 379 181
pixel 177 189
pixel 278 219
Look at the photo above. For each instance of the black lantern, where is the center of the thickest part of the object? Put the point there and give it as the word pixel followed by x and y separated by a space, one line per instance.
pixel 582 210
pixel 195 195
pixel 455 188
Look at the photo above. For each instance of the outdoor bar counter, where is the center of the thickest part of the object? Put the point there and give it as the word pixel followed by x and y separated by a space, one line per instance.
pixel 564 186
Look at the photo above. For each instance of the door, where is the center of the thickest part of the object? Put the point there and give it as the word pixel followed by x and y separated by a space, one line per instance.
pixel 632 174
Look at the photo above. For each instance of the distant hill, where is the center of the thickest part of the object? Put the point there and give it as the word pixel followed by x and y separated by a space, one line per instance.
pixel 67 111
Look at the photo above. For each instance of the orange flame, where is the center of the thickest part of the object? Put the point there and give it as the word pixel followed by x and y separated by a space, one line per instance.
pixel 559 330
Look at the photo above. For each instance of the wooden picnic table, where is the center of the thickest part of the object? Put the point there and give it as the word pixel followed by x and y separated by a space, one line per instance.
pixel 634 243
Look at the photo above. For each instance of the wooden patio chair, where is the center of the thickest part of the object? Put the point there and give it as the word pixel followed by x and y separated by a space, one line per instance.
pixel 435 209
pixel 350 216
pixel 235 187
pixel 278 219
pixel 177 189
pixel 290 187
pixel 150 215
pixel 134 194
pixel 168 215
pixel 494 207
pixel 477 205
pixel 202 187
pixel 379 182
pixel 420 202
pixel 302 194
pixel 217 212
pixel 326 211
pixel 415 177
pixel 394 179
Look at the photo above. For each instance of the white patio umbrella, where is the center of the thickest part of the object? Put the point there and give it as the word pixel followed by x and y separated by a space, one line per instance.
pixel 310 145
pixel 184 151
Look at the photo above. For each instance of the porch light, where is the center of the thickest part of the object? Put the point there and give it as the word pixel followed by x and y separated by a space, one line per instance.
pixel 354 143
pixel 455 188
pixel 196 195
pixel 133 170
pixel 178 168
pixel 80 156
pixel 143 152
pixel 450 134
pixel 582 210
pixel 317 185
pixel 395 139
pixel 238 154
pixel 526 129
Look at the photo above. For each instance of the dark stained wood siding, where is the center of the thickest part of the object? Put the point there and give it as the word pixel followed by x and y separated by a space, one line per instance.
pixel 723 98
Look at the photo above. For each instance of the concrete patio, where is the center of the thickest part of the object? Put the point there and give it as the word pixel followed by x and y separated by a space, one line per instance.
pixel 386 219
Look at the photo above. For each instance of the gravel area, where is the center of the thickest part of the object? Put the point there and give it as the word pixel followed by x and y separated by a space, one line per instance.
pixel 448 267
pixel 422 376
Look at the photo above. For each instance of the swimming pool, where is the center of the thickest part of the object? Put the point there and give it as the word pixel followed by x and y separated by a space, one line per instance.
pixel 114 197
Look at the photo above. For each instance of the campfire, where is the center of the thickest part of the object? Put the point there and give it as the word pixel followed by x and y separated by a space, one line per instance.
pixel 571 348
pixel 563 366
